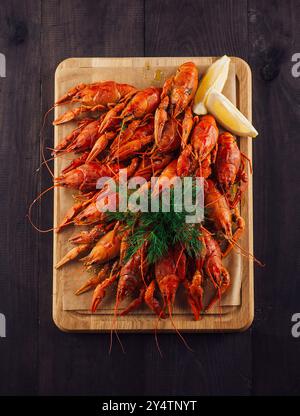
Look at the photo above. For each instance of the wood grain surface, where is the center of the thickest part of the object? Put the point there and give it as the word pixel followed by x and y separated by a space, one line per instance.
pixel 35 357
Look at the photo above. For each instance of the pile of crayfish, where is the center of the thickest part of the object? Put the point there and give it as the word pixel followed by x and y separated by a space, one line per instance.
pixel 149 132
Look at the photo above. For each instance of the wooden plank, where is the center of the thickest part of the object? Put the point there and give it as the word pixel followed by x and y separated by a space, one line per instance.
pixel 221 363
pixel 72 364
pixel 141 71
pixel 19 185
pixel 273 39
pixel 196 28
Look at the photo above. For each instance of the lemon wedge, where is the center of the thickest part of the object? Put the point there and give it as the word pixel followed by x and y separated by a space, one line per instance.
pixel 215 76
pixel 228 115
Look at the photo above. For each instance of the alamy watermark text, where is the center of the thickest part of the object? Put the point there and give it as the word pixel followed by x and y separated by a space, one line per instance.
pixel 2 326
pixel 2 66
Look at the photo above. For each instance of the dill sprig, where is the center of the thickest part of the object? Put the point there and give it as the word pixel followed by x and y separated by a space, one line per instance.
pixel 160 229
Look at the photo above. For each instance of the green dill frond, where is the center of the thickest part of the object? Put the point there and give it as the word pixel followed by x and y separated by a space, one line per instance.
pixel 160 229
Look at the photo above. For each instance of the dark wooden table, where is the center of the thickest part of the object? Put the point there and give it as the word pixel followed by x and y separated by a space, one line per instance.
pixel 35 357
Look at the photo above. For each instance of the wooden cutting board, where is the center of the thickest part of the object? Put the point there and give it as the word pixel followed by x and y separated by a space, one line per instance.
pixel 71 313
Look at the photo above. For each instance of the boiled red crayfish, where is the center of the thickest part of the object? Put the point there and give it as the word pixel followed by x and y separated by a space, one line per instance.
pixel 221 215
pixel 177 94
pixel 170 270
pixel 92 97
pixel 230 167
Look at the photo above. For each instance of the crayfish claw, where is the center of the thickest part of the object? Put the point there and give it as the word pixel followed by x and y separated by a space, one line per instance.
pixel 69 96
pixel 93 281
pixel 195 294
pixel 100 290
pixel 72 254
pixel 240 222
pixel 221 289
pixel 71 115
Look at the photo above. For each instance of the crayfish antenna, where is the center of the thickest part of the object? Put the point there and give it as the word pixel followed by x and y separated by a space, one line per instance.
pixel 215 298
pixel 42 141
pixel 46 115
pixel 28 215
pixel 176 329
pixel 234 245
pixel 155 334
pixel 249 161
pixel 44 162
pixel 114 328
